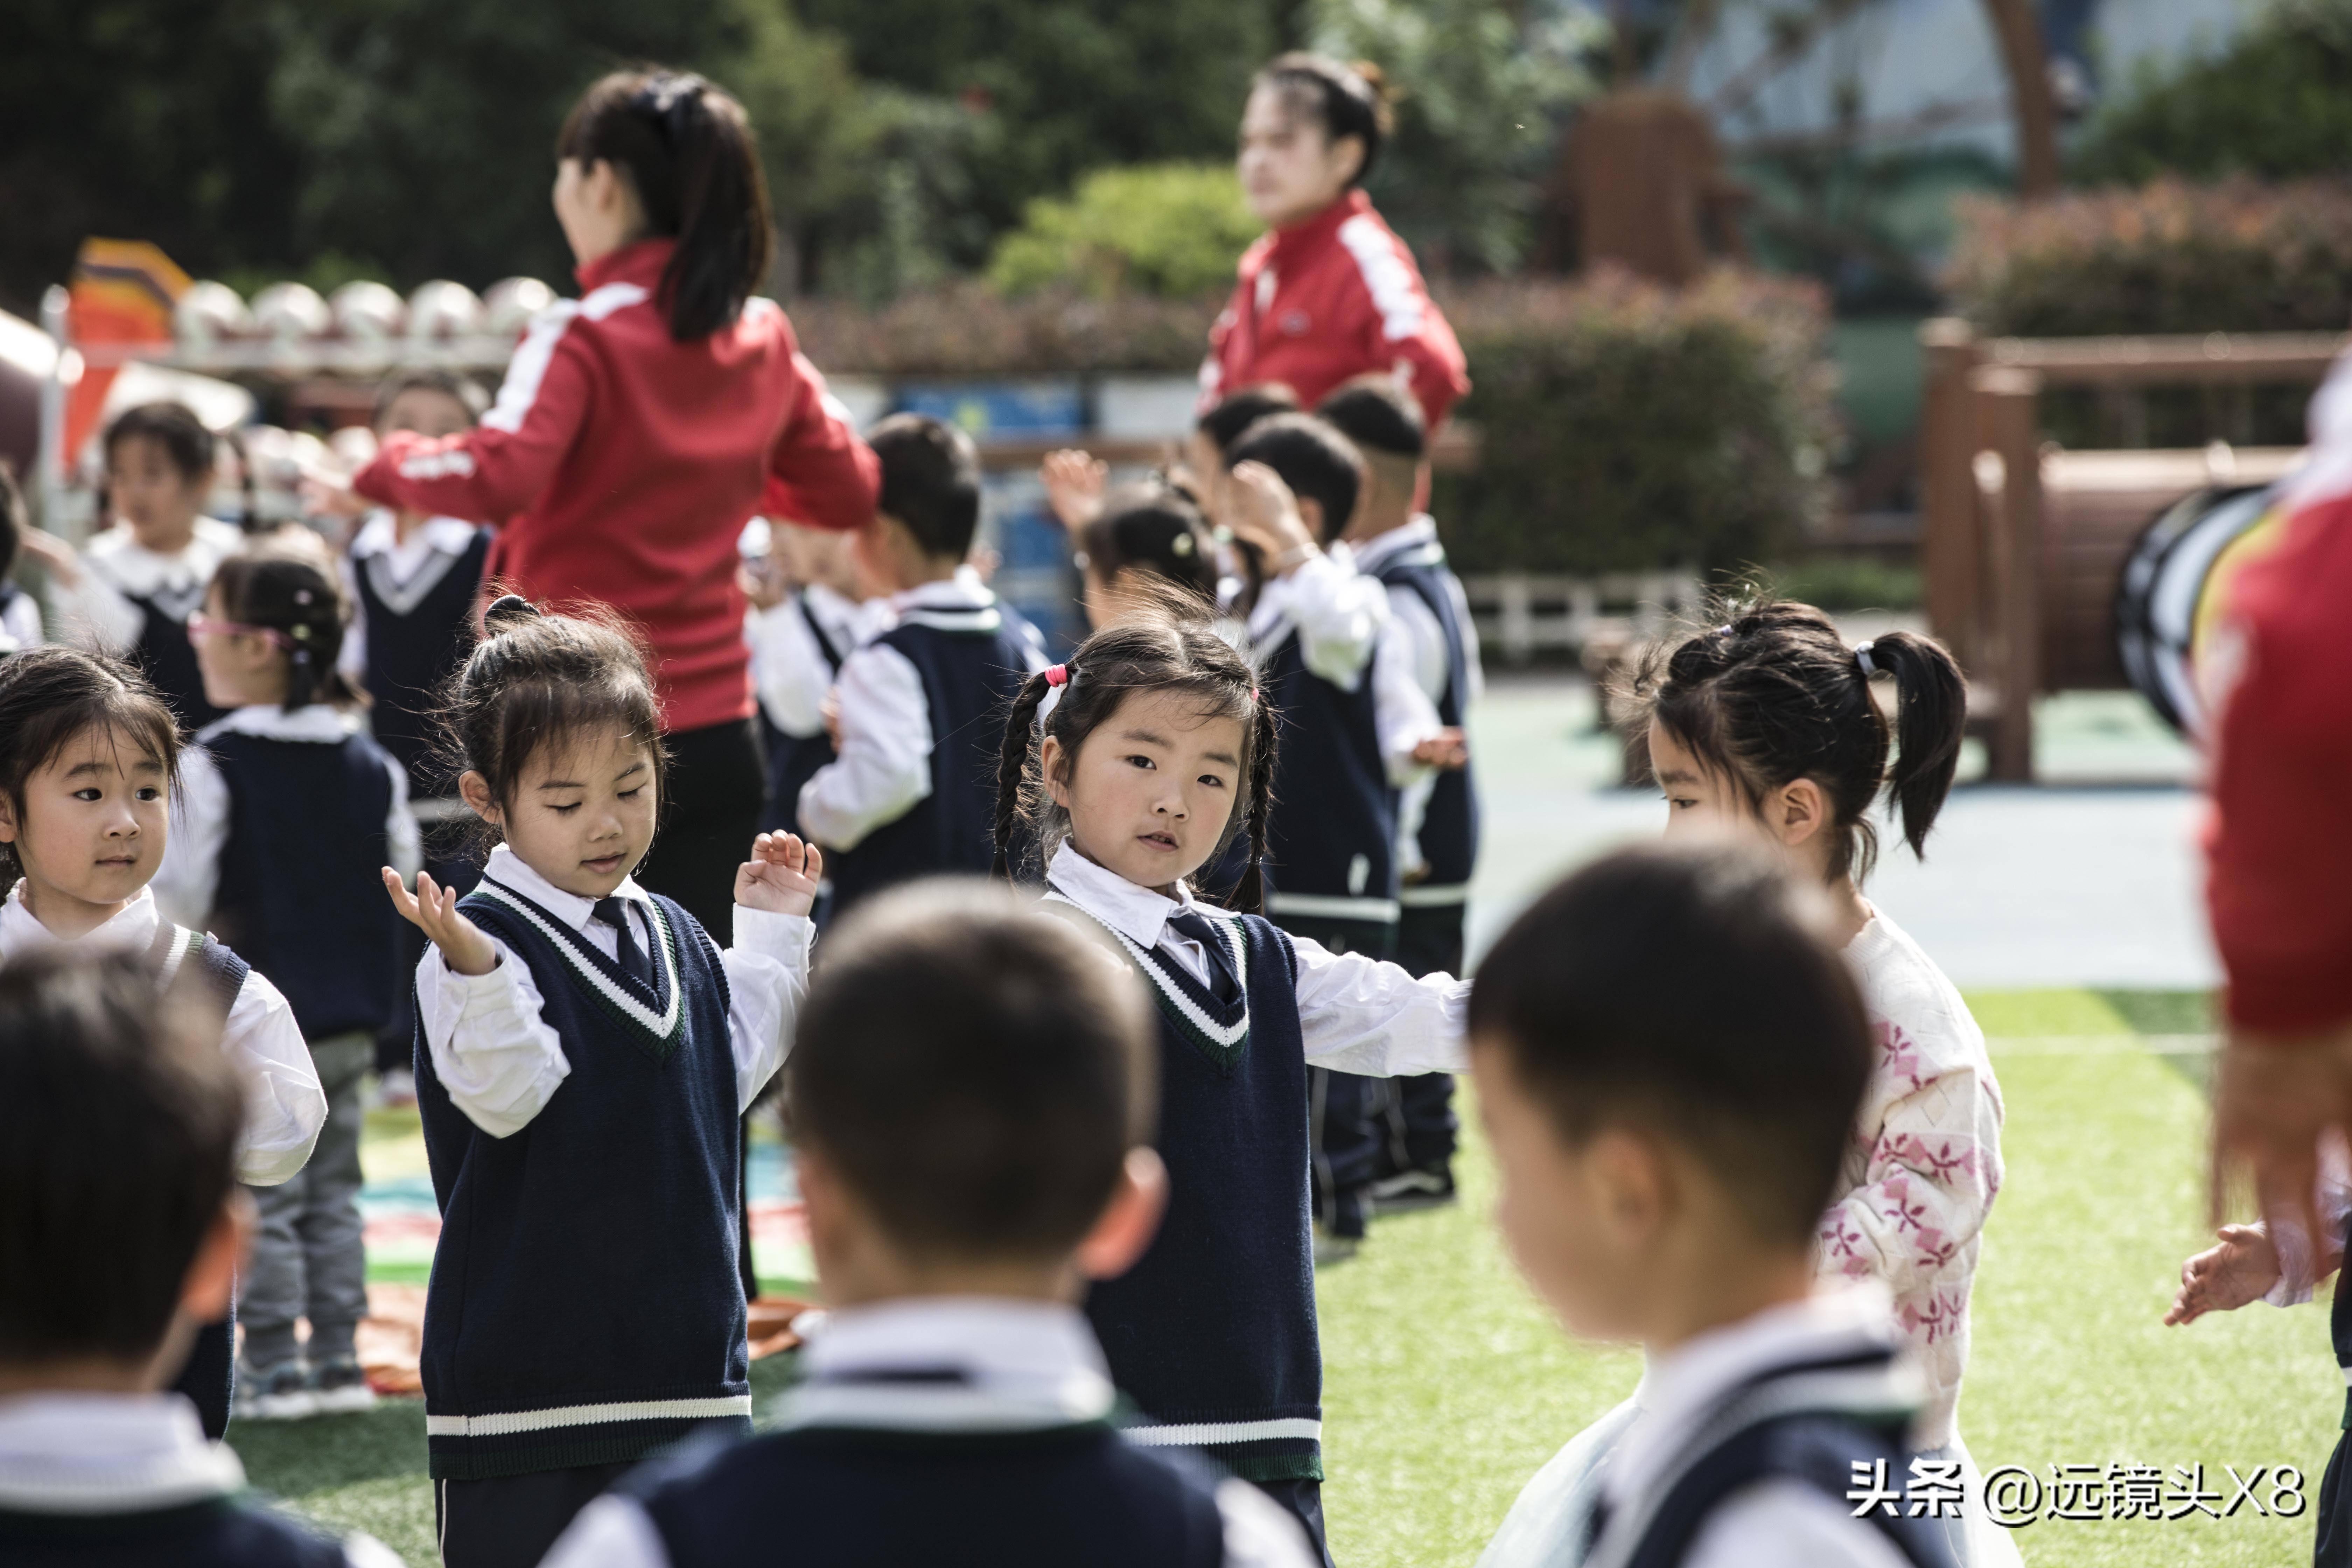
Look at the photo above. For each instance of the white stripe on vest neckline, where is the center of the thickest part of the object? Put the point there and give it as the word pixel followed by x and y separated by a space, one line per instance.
pixel 1216 1434
pixel 509 1423
pixel 1224 1035
pixel 661 1025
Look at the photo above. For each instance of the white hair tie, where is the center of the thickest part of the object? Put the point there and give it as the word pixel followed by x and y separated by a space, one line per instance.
pixel 1862 657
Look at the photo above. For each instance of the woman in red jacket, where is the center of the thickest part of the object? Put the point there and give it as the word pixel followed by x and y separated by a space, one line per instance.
pixel 642 425
pixel 1329 292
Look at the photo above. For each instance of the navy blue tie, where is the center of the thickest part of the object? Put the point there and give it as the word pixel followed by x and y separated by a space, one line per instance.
pixel 614 912
pixel 1223 981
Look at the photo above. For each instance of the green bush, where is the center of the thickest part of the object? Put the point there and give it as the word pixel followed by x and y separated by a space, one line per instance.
pixel 2169 257
pixel 1171 230
pixel 1626 427
pixel 968 329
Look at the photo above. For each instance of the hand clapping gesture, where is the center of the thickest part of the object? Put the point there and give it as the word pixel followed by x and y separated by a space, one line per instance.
pixel 782 874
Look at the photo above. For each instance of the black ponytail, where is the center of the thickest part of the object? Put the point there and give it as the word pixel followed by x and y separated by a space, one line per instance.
pixel 1012 766
pixel 285 582
pixel 1931 713
pixel 687 149
pixel 1250 893
pixel 1773 694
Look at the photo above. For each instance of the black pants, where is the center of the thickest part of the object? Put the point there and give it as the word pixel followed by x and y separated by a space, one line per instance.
pixel 209 1378
pixel 1303 1500
pixel 1419 1129
pixel 1346 1148
pixel 510 1523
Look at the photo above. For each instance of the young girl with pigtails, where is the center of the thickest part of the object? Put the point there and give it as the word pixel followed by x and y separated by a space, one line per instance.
pixel 1157 751
pixel 1769 724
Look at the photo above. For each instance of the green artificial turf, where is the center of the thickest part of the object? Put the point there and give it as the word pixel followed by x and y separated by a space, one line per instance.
pixel 1446 1383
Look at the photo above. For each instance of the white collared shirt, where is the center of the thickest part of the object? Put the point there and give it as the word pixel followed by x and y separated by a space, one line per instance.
pixel 884 768
pixel 98 610
pixel 789 671
pixel 1336 612
pixel 1355 1014
pixel 1020 1366
pixel 499 1060
pixel 1415 638
pixel 284 1106
pixel 92 1455
pixel 189 878
pixel 405 570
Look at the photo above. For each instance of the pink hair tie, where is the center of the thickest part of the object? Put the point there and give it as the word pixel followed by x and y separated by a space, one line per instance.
pixel 1059 675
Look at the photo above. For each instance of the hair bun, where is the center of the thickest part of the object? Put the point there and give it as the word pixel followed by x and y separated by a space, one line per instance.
pixel 508 609
pixel 1384 94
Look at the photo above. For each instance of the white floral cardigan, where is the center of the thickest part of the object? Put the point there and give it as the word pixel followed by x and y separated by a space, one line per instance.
pixel 1923 1166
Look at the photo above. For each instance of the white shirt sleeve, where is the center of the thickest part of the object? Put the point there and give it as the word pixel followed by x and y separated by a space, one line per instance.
pixel 1787 1524
pixel 352 660
pixel 885 761
pixel 788 668
pixel 1339 612
pixel 767 975
pixel 96 613
pixel 403 839
pixel 1358 1015
pixel 284 1106
pixel 490 1049
pixel 189 878
pixel 1403 713
pixel 1258 1532
pixel 610 1533
pixel 21 621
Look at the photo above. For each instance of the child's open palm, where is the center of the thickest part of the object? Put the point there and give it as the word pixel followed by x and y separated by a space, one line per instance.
pixel 782 874
pixel 1074 482
pixel 2243 1267
pixel 433 909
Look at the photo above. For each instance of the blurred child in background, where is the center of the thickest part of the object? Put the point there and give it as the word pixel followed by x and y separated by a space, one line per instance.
pixel 20 613
pixel 808 613
pixel 132 587
pixel 287 810
pixel 121 1229
pixel 912 792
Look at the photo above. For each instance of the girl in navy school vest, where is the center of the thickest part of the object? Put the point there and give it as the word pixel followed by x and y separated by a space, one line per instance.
pixel 133 588
pixel 89 755
pixel 584 1050
pixel 1159 748
pixel 287 808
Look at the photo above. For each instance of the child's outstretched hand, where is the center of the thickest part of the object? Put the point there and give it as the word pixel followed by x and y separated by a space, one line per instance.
pixel 433 909
pixel 1074 482
pixel 1448 749
pixel 1261 511
pixel 782 874
pixel 2241 1267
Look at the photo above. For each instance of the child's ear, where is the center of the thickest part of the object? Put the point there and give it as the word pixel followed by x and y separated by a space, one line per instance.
pixel 1050 758
pixel 1799 810
pixel 211 1276
pixel 1128 1221
pixel 1310 513
pixel 7 820
pixel 1630 1175
pixel 474 790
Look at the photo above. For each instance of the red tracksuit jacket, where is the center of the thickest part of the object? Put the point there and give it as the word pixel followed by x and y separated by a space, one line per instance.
pixel 623 466
pixel 1326 300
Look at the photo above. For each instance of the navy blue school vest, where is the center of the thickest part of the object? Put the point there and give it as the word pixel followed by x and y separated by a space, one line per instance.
pixel 416 632
pixel 165 655
pixel 216 1532
pixel 1770 1428
pixel 793 760
pixel 301 890
pixel 584 1307
pixel 1449 826
pixel 971 664
pixel 1332 834
pixel 1214 1328
pixel 1064 1496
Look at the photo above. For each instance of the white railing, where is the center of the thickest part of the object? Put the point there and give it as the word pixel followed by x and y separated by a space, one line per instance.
pixel 1519 613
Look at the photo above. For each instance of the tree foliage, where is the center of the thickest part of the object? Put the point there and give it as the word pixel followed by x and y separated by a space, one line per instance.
pixel 1167 229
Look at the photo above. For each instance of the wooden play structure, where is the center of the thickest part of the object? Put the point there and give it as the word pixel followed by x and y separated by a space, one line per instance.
pixel 2024 544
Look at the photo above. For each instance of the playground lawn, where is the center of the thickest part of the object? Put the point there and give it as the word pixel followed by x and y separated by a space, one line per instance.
pixel 1445 1386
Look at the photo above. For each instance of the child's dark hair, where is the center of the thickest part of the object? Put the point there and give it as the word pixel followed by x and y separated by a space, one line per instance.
pixel 537 680
pixel 1687 993
pixel 1153 528
pixel 1773 694
pixel 14 519
pixel 1315 460
pixel 689 156
pixel 174 427
pixel 1237 411
pixel 1380 416
pixel 462 389
pixel 975 1070
pixel 930 481
pixel 119 1128
pixel 1345 100
pixel 1168 647
pixel 51 694
pixel 284 583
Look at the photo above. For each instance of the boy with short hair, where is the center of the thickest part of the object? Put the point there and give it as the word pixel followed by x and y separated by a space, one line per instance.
pixel 912 792
pixel 120 1230
pixel 971 1095
pixel 1431 633
pixel 1670 1060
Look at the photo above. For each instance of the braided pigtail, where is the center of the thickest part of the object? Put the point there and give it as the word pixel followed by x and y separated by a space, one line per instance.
pixel 1250 894
pixel 1012 766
